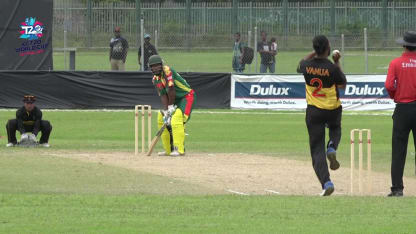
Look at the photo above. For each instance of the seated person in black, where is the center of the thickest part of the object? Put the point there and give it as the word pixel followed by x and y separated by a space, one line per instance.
pixel 28 119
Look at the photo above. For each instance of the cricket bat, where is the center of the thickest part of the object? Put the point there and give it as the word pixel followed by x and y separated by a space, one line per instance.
pixel 156 139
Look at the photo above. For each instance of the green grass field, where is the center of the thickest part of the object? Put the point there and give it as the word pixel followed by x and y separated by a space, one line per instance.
pixel 43 193
pixel 220 61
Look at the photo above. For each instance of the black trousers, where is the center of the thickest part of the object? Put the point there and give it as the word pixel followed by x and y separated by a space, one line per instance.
pixel 404 121
pixel 45 129
pixel 316 121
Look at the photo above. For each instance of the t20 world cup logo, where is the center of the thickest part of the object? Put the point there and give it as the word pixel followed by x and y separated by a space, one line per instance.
pixel 31 29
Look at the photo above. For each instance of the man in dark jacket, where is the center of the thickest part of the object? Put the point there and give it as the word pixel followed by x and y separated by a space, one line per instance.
pixel 118 51
pixel 267 55
pixel 149 50
pixel 28 119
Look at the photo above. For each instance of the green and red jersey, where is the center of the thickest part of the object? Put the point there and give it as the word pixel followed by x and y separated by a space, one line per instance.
pixel 170 78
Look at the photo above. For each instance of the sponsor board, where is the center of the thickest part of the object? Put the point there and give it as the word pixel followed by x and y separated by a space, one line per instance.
pixel 287 92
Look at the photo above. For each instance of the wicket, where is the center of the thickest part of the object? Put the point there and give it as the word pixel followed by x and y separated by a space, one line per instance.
pixel 136 126
pixel 360 160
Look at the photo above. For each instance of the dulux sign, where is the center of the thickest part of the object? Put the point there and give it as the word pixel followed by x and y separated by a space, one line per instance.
pixel 374 89
pixel 268 89
pixel 257 89
pixel 288 92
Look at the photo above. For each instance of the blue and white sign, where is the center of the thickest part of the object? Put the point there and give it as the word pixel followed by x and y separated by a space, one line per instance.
pixel 287 92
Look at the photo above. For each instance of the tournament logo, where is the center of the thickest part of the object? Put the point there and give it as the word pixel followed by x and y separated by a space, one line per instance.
pixel 31 29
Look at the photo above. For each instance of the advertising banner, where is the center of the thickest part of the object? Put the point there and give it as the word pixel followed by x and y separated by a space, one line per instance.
pixel 287 92
pixel 26 35
pixel 98 90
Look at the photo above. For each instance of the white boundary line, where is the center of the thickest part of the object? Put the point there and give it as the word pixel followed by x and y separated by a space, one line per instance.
pixel 236 192
pixel 271 191
pixel 272 112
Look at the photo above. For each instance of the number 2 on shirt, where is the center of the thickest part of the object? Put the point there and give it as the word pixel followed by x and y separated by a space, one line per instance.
pixel 315 93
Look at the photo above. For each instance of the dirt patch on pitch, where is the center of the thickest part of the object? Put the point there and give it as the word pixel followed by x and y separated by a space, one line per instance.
pixel 240 173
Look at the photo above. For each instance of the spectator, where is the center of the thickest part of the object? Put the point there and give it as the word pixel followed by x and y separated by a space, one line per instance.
pixel 238 54
pixel 149 50
pixel 266 54
pixel 273 44
pixel 118 51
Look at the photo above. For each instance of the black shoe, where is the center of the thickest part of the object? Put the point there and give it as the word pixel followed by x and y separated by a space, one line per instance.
pixel 395 194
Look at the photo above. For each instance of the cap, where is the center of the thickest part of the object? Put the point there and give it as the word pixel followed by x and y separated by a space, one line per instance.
pixel 29 99
pixel 409 39
pixel 146 35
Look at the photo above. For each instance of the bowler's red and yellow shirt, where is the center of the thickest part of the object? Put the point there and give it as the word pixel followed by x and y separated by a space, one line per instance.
pixel 321 80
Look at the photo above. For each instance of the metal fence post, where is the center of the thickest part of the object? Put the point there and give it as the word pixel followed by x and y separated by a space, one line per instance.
pixel 65 33
pixel 112 17
pixel 333 18
pixel 393 17
pixel 345 13
pixel 65 46
pixel 251 15
pixel 342 50
pixel 285 21
pixel 365 50
pixel 297 18
pixel 72 60
pixel 384 22
pixel 142 44
pixel 138 17
pixel 89 13
pixel 204 17
pixel 235 16
pixel 249 43
pixel 188 24
pixel 158 16
pixel 156 36
pixel 255 48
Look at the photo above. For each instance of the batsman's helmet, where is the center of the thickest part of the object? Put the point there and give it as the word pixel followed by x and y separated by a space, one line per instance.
pixel 155 59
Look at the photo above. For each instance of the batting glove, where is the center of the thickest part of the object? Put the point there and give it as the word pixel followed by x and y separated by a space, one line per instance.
pixel 171 109
pixel 167 119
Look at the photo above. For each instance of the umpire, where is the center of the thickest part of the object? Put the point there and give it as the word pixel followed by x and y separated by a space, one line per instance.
pixel 401 86
pixel 28 119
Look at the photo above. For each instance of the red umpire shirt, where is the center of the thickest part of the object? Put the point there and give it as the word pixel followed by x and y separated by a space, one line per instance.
pixel 401 86
pixel 401 78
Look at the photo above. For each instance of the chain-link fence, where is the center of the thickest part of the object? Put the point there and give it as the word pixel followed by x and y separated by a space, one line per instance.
pixel 199 37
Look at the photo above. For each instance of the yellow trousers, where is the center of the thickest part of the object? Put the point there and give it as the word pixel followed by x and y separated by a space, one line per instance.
pixel 178 132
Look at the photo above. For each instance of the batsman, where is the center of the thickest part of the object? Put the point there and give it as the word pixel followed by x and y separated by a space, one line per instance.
pixel 178 99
